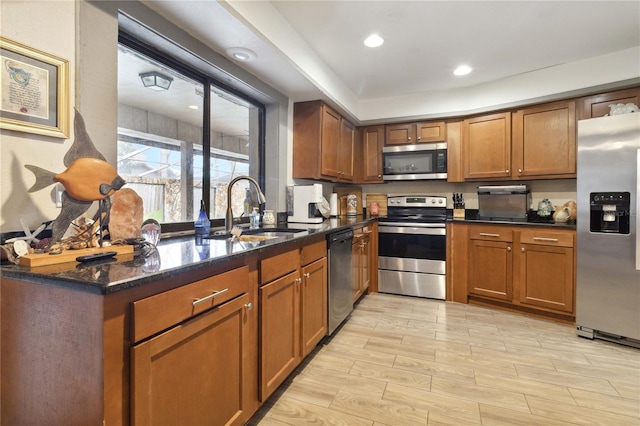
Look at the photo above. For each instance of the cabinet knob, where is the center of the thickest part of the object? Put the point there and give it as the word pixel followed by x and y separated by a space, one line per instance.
pixel 507 171
pixel 519 170
pixel 409 138
pixel 248 306
pixel 522 249
pixel 418 137
pixel 307 275
pixel 298 280
pixel 508 248
pixel 379 176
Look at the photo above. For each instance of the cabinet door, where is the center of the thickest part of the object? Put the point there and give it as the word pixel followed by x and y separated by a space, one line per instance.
pixel 490 269
pixel 399 134
pixel 430 132
pixel 372 144
pixel 598 105
pixel 546 277
pixel 279 331
pixel 544 141
pixel 486 146
pixel 356 268
pixel 346 150
pixel 330 140
pixel 194 373
pixel 366 263
pixel 313 305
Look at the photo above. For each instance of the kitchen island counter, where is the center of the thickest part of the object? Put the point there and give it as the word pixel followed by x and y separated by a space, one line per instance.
pixel 174 256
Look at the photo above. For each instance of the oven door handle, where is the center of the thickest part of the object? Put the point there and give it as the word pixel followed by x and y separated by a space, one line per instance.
pixel 411 230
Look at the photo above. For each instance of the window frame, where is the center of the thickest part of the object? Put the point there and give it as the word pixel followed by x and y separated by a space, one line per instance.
pixel 208 81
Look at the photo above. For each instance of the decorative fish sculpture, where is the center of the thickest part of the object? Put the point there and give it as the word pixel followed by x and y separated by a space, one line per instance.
pixel 88 178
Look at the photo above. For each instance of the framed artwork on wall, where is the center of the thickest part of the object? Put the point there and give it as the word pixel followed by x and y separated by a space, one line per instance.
pixel 35 90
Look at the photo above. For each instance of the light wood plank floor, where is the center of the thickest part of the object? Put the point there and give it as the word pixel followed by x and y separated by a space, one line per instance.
pixel 405 361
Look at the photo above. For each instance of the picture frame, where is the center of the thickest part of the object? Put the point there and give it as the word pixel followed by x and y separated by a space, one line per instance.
pixel 35 90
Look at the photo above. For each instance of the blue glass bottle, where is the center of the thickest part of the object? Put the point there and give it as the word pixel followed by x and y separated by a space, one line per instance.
pixel 202 224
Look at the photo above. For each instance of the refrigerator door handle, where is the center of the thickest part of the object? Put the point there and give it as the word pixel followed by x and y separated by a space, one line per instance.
pixel 638 211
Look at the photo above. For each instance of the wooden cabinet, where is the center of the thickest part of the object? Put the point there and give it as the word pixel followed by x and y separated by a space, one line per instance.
pixel 279 308
pixel 544 141
pixel 313 296
pixel 411 133
pixel 293 311
pixel 521 267
pixel 598 105
pixel 531 143
pixel 486 146
pixel 346 150
pixel 195 372
pixel 546 279
pixel 491 262
pixel 361 261
pixel 323 143
pixel 372 142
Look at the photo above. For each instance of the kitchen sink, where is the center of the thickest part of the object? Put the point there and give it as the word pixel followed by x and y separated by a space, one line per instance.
pixel 262 234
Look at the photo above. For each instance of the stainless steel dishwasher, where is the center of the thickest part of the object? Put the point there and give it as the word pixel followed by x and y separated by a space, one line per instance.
pixel 340 298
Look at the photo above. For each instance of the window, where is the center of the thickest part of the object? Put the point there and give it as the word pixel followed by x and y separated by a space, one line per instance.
pixel 182 137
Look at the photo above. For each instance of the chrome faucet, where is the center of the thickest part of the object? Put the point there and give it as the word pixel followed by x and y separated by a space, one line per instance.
pixel 228 220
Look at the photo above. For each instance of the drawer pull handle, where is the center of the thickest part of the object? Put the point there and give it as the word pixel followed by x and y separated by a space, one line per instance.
pixel 486 234
pixel 211 296
pixel 553 240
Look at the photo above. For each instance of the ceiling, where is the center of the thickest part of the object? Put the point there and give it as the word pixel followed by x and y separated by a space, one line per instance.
pixel 424 40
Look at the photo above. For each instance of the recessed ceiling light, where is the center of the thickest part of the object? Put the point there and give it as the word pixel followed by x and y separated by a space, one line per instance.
pixel 374 40
pixel 193 107
pixel 462 70
pixel 241 54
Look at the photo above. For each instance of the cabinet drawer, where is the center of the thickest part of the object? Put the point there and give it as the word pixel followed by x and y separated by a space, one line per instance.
pixel 313 252
pixel 164 310
pixel 279 265
pixel 491 233
pixel 547 238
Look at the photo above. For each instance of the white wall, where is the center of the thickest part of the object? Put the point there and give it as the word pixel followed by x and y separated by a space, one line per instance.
pixel 49 26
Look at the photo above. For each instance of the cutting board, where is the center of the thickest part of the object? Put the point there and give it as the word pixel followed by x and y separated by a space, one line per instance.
pixel 43 259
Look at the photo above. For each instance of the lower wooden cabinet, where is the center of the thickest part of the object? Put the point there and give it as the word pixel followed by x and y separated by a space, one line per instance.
pixel 313 305
pixel 279 331
pixel 196 372
pixel 361 261
pixel 293 311
pixel 547 271
pixel 193 373
pixel 519 266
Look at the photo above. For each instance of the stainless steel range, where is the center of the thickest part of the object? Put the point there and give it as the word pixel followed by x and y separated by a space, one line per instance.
pixel 412 246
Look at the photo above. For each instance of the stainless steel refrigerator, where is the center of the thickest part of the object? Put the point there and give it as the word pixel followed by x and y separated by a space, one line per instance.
pixel 608 257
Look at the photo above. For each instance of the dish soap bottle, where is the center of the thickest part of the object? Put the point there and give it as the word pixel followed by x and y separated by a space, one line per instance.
pixel 255 218
pixel 202 224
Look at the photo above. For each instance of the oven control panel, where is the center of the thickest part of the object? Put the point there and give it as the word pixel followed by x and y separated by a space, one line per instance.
pixel 416 201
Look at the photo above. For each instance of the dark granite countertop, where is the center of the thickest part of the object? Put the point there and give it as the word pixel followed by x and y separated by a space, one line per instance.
pixel 471 216
pixel 174 256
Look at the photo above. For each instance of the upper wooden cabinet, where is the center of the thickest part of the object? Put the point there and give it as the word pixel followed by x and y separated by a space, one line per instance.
pixel 598 105
pixel 544 141
pixel 372 143
pixel 486 146
pixel 323 143
pixel 346 149
pixel 410 133
pixel 531 143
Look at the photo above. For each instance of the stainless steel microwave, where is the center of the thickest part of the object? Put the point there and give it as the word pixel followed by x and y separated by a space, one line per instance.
pixel 415 162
